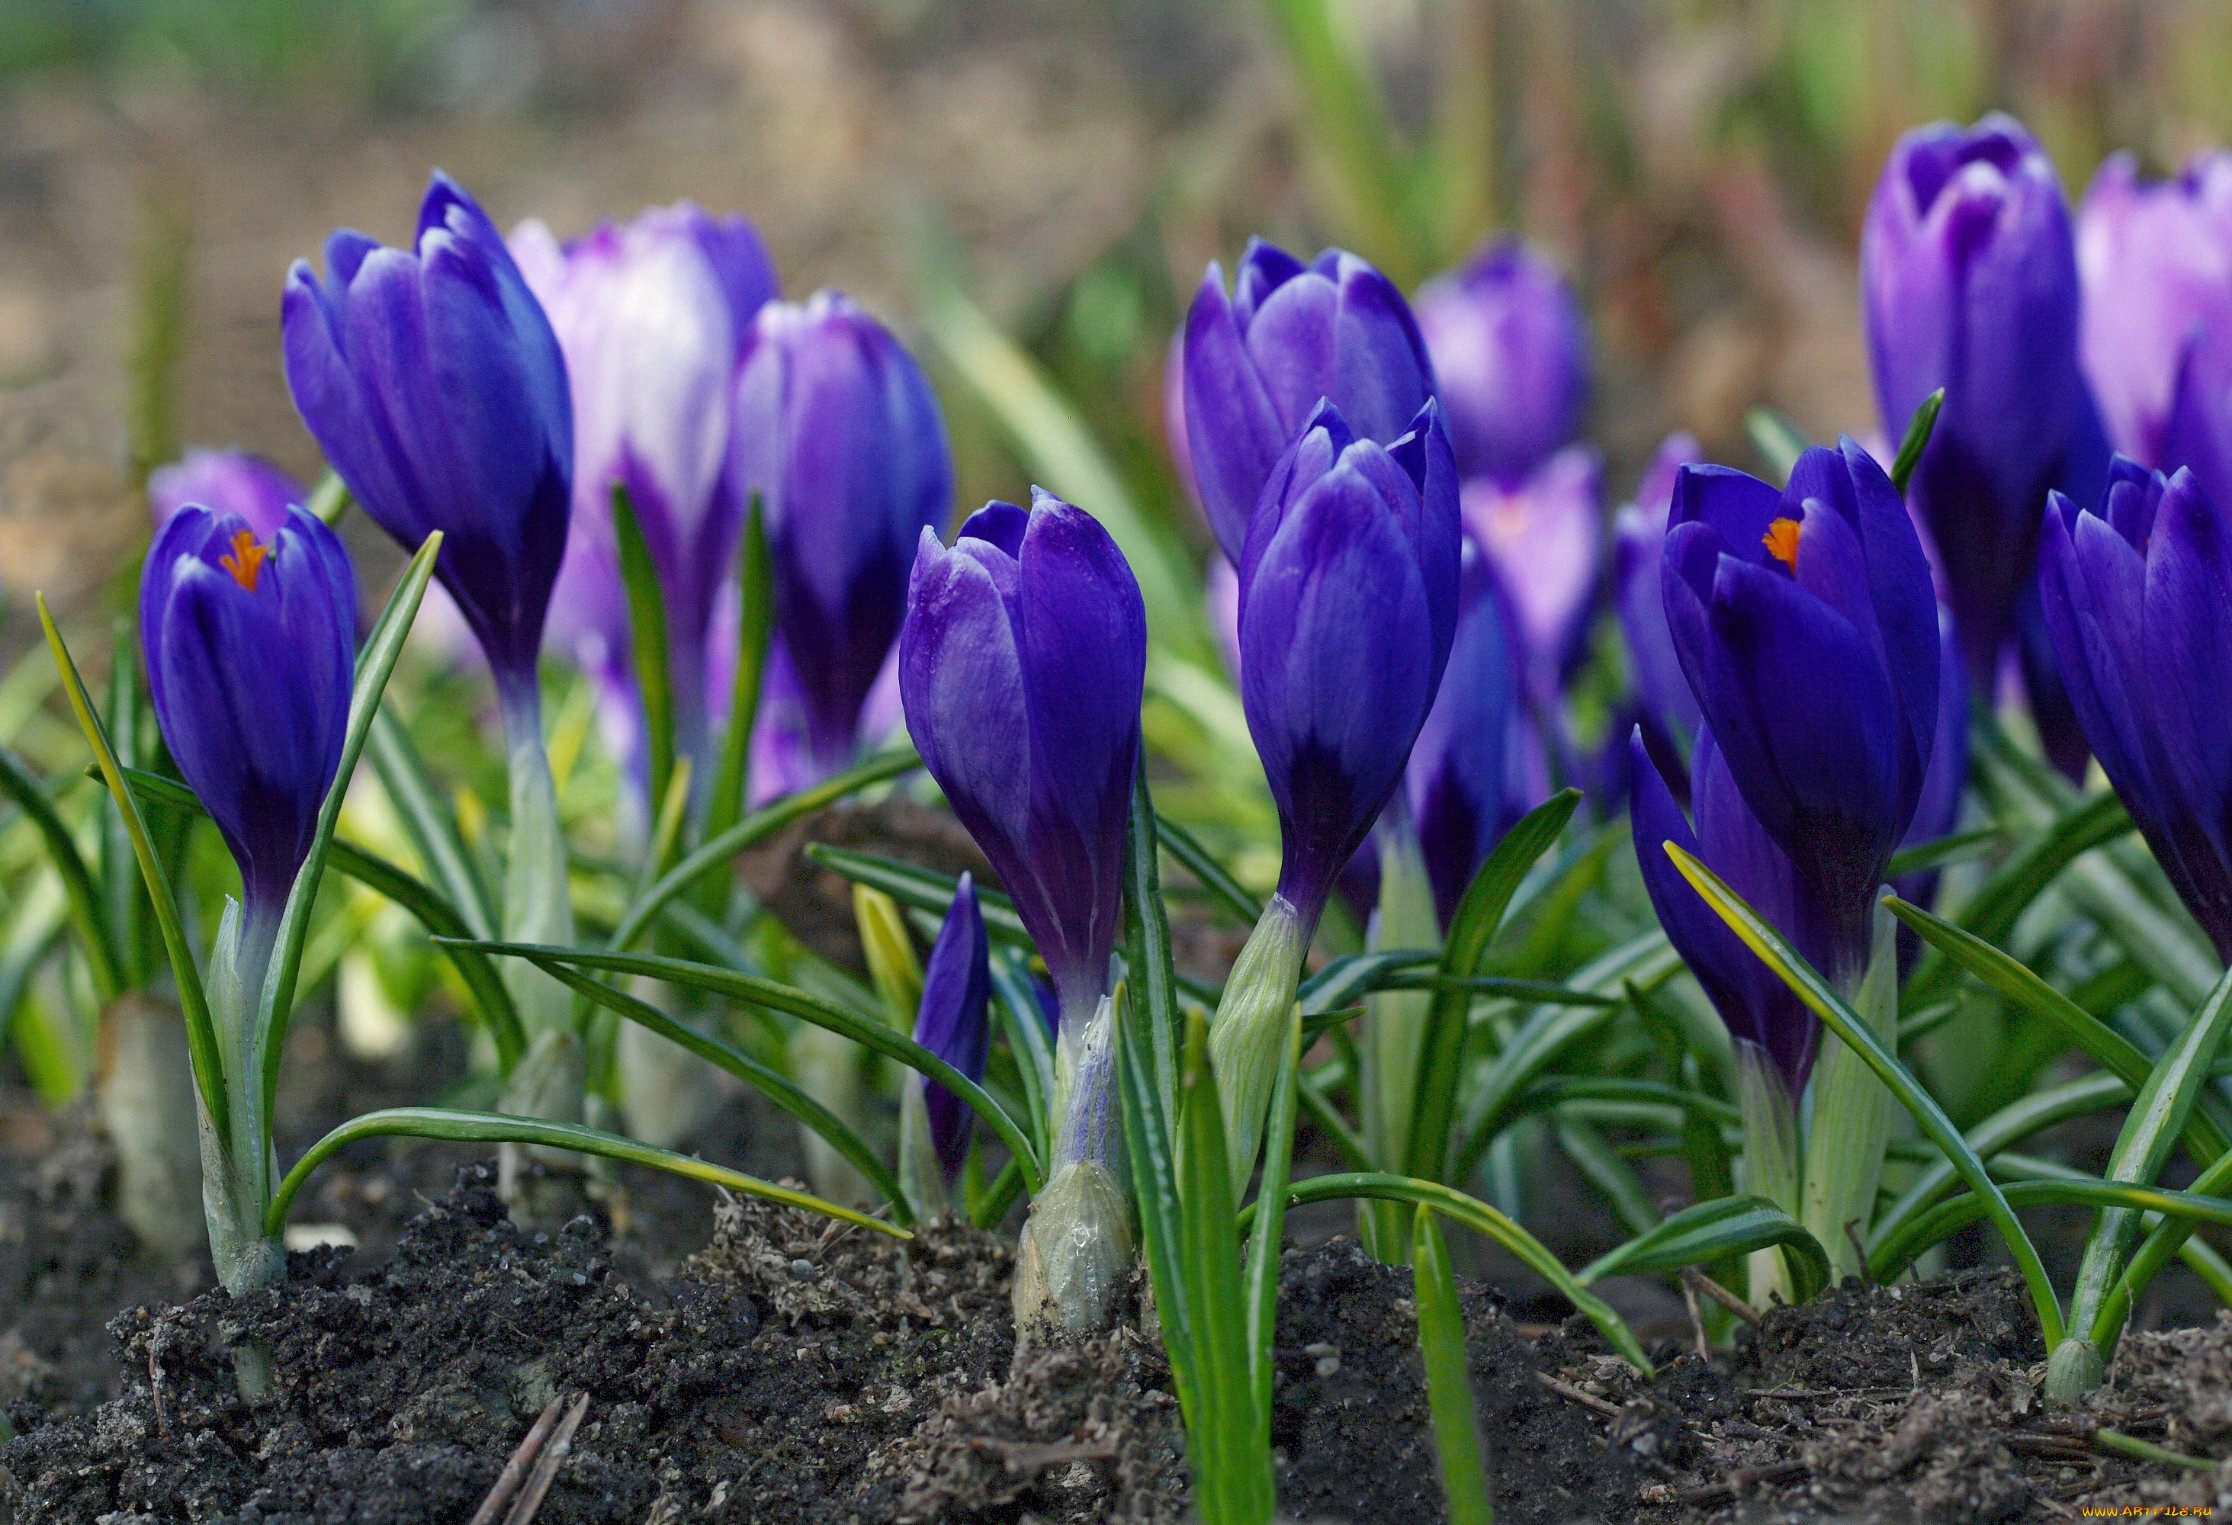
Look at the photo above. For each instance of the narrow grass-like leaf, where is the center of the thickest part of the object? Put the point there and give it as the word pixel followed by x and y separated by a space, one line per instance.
pixel 1225 890
pixel 330 499
pixel 1564 1088
pixel 647 639
pixel 1352 976
pixel 1471 930
pixel 1601 1166
pixel 2027 993
pixel 2001 1131
pixel 429 823
pixel 1916 440
pixel 1848 1025
pixel 101 961
pixel 1147 951
pixel 1150 1150
pixel 498 1128
pixel 275 1003
pixel 1778 441
pixel 1270 1228
pixel 1960 847
pixel 2169 1237
pixel 716 852
pixel 1533 992
pixel 923 889
pixel 127 723
pixel 1449 1393
pixel 775 1087
pixel 2158 1115
pixel 1015 1007
pixel 724 805
pixel 1326 1118
pixel 868 1031
pixel 1959 1212
pixel 1480 1217
pixel 201 1034
pixel 1711 1230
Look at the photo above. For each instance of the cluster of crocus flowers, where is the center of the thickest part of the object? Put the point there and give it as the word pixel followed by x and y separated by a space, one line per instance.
pixel 1022 663
pixel 250 640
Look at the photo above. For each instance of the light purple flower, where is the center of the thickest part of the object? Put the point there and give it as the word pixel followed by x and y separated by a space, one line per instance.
pixel 1545 539
pixel 1511 358
pixel 229 482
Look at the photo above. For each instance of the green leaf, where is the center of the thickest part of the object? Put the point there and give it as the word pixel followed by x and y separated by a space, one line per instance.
pixel 1778 441
pixel 724 806
pixel 1270 1229
pixel 1225 890
pixel 716 852
pixel 1601 1166
pixel 1917 439
pixel 1480 1217
pixel 2169 1237
pixel 775 1087
pixel 429 823
pixel 2027 993
pixel 2157 1116
pixel 868 1031
pixel 1471 930
pixel 1150 1150
pixel 1449 1394
pixel 1015 1007
pixel 1708 1231
pixel 1959 1212
pixel 275 1004
pixel 497 1128
pixel 201 1034
pixel 1352 976
pixel 329 500
pixel 923 889
pixel 1564 1088
pixel 101 961
pixel 647 639
pixel 1150 965
pixel 1960 847
pixel 1849 1026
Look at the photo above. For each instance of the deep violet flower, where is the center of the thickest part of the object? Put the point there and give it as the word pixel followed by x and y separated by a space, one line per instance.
pixel 951 1021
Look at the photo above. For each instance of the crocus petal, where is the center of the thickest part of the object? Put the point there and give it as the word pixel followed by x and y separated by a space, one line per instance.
pixel 228 481
pixel 1511 357
pixel 951 1021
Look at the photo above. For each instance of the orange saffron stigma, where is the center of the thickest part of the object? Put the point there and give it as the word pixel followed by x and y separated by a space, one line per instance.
pixel 246 560
pixel 1781 541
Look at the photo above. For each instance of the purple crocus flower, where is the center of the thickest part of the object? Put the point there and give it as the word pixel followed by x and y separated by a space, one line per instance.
pixel 431 379
pixel 1545 538
pixel 1806 625
pixel 1348 606
pixel 1511 357
pixel 1969 282
pixel 1463 771
pixel 250 643
pixel 837 429
pixel 2156 262
pixel 2137 596
pixel 1668 712
pixel 1259 361
pixel 228 481
pixel 652 318
pixel 1021 665
pixel 950 1022
pixel 1758 1008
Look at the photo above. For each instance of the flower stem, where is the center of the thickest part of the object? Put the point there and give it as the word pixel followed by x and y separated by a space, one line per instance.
pixel 1852 1117
pixel 1770 1118
pixel 1395 1031
pixel 237 1181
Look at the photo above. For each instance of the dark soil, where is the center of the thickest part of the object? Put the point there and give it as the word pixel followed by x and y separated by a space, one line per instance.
pixel 798 1372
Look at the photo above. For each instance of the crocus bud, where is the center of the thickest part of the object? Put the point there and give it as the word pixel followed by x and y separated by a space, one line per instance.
pixel 652 318
pixel 1511 358
pixel 1758 1009
pixel 251 645
pixel 2137 596
pixel 1668 712
pixel 837 429
pixel 1259 361
pixel 1969 282
pixel 1464 769
pixel 431 379
pixel 956 990
pixel 1806 625
pixel 1348 605
pixel 226 482
pixel 2156 261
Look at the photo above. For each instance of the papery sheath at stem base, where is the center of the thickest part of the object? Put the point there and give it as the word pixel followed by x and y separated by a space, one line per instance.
pixel 1076 1249
pixel 1851 1126
pixel 1770 1165
pixel 1244 1036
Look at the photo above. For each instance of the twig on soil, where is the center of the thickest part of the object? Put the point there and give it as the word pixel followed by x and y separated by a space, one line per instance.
pixel 531 1453
pixel 1728 1488
pixel 547 1465
pixel 1694 1278
pixel 1572 1394
pixel 1697 1320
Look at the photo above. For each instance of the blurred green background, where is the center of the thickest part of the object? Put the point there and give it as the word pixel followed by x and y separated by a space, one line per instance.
pixel 1067 167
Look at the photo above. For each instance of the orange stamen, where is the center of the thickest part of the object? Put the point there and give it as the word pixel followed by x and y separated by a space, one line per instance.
pixel 246 560
pixel 1781 541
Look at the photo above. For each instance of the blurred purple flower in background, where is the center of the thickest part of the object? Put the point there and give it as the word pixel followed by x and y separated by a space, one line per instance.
pixel 837 430
pixel 2137 594
pixel 1511 360
pixel 1348 606
pixel 433 383
pixel 1969 282
pixel 1258 362
pixel 652 316
pixel 1806 625
pixel 228 481
pixel 1545 539
pixel 250 641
